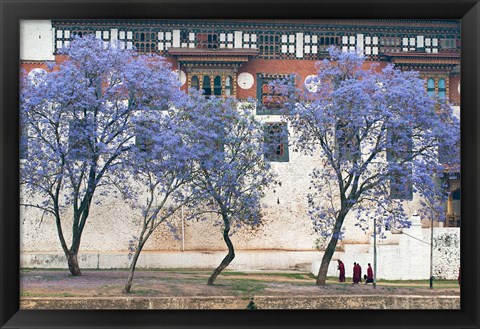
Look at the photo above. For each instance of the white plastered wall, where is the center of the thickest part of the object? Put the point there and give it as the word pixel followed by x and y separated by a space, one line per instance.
pixel 36 40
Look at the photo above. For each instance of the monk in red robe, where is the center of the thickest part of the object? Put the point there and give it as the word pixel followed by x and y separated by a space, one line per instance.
pixel 341 268
pixel 356 277
pixel 369 276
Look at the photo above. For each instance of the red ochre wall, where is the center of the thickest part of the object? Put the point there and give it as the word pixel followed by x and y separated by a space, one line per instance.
pixel 454 95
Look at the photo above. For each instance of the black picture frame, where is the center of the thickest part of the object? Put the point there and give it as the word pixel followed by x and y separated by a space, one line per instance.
pixel 12 11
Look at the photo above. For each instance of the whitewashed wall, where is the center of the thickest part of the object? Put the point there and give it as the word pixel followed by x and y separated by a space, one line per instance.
pixel 405 257
pixel 36 40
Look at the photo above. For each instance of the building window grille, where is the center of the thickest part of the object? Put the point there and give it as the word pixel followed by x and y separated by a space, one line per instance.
pixel 228 86
pixel 276 140
pixel 217 86
pixel 195 83
pixel 79 135
pixel 442 90
pixel 270 98
pixel 430 87
pixel 207 88
pixel 399 154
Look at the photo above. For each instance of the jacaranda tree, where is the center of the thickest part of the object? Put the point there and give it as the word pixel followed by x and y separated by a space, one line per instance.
pixel 233 173
pixel 76 121
pixel 376 134
pixel 162 168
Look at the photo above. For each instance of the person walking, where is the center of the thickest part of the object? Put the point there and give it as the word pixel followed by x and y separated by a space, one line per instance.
pixel 341 268
pixel 369 277
pixel 356 277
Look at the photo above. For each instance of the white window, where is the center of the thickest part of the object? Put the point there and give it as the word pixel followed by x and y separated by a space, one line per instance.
pixel 122 34
pixel 307 49
pixel 405 41
pixel 246 37
pixel 314 49
pixel 59 33
pixel 191 36
pixel 160 35
pixel 412 41
pixel 98 34
pixel 105 34
pixel 375 40
pixel 314 39
pixel 291 38
pixel 307 38
pixel 344 40
pixel 427 42
pixel 291 49
pixel 168 35
pixel 368 40
pixel 222 37
pixel 67 34
pixel 434 42
pixel 352 39
pixel 284 38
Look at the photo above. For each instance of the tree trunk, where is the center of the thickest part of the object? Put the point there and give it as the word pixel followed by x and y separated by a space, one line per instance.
pixel 73 263
pixel 227 260
pixel 128 285
pixel 327 255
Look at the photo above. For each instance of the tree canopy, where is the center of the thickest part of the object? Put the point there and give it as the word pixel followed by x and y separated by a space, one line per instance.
pixel 376 134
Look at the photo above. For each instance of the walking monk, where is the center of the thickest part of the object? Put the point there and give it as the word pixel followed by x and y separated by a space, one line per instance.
pixel 356 277
pixel 341 268
pixel 369 276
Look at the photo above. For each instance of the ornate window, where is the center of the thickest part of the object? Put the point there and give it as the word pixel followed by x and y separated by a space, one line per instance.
pixel 207 87
pixel 208 40
pixel 212 83
pixel 79 134
pixel 228 86
pixel 195 83
pixel 23 145
pixel 431 87
pixel 276 140
pixel 399 154
pixel 145 41
pixel 442 90
pixel 270 98
pixel 143 140
pixel 217 86
pixel 347 144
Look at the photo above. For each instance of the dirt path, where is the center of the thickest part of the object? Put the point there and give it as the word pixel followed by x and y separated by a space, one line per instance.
pixel 38 283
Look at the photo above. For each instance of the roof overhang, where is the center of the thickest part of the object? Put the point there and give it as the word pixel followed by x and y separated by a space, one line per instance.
pixel 222 55
pixel 452 58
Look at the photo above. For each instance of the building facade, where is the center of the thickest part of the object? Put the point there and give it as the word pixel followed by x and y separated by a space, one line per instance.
pixel 238 58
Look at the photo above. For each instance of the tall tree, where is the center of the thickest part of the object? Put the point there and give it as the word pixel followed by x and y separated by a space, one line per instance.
pixel 233 173
pixel 77 124
pixel 376 134
pixel 162 168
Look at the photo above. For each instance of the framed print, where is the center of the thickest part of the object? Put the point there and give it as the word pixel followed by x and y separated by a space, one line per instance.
pixel 238 164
